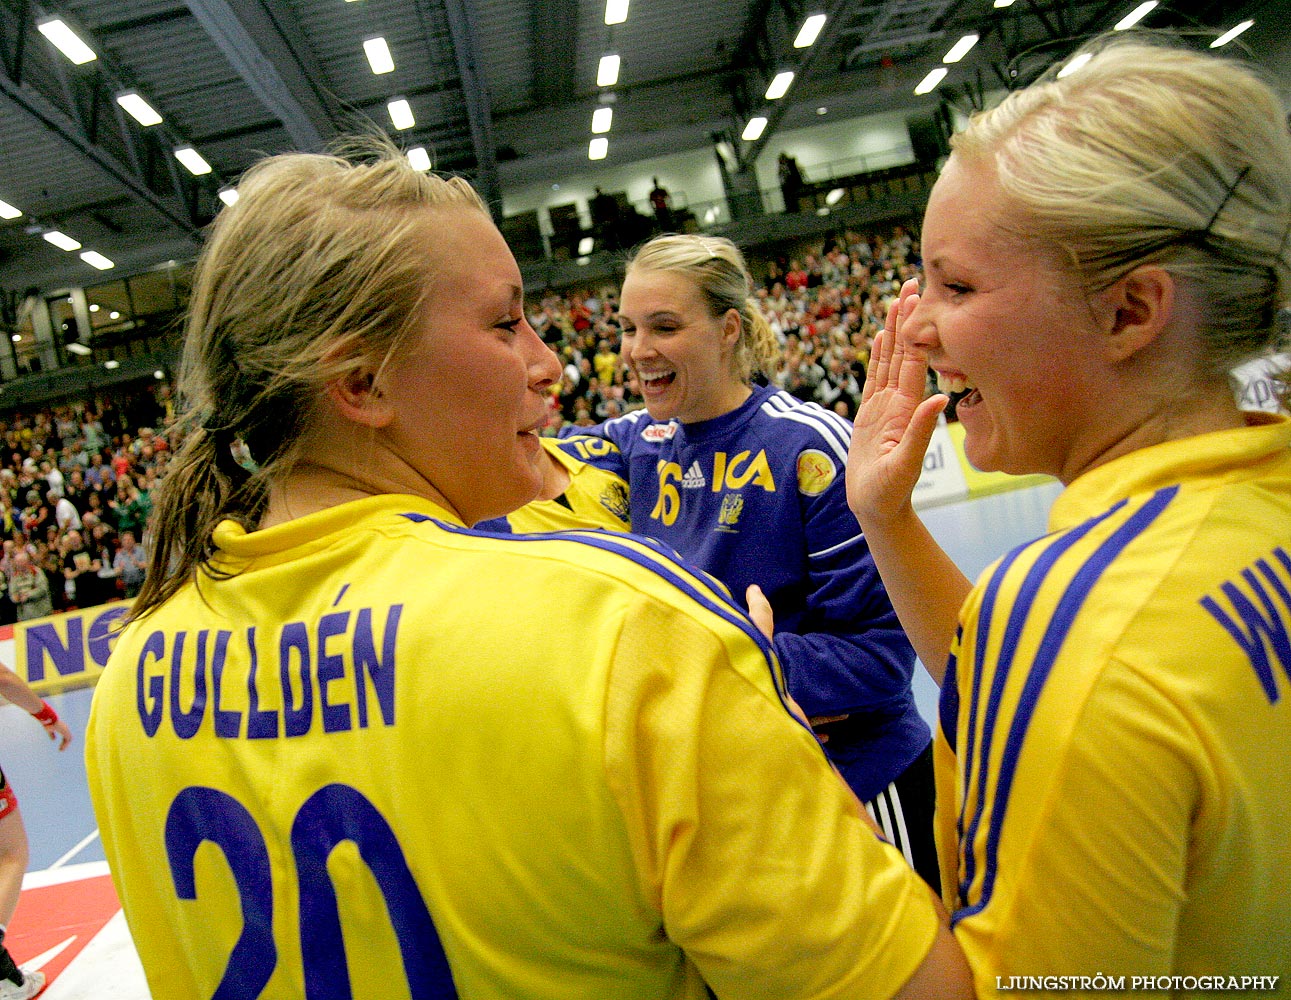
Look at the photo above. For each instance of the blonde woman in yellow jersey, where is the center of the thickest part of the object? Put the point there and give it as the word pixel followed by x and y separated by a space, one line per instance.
pixel 344 749
pixel 1115 745
pixel 574 494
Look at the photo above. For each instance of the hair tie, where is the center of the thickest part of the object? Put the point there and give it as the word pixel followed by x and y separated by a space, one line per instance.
pixel 1241 174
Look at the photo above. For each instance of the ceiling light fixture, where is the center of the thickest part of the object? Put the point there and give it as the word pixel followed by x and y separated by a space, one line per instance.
pixel 1075 64
pixel 1135 16
pixel 401 113
pixel 616 11
pixel 67 41
pixel 229 196
pixel 193 160
pixel 809 31
pixel 61 240
pixel 111 363
pixel 607 73
pixel 780 85
pixel 1223 39
pixel 929 82
pixel 140 110
pixel 419 159
pixel 96 259
pixel 7 211
pixel 379 57
pixel 76 347
pixel 754 129
pixel 601 120
pixel 598 148
pixel 834 196
pixel 585 245
pixel 1003 3
pixel 960 49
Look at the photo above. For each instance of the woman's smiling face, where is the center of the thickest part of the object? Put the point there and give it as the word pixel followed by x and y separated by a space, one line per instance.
pixel 1002 320
pixel 679 352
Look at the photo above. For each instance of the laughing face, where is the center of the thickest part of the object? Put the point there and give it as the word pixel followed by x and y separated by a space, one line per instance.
pixel 1004 324
pixel 680 354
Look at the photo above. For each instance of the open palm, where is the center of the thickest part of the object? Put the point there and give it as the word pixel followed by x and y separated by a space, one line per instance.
pixel 894 422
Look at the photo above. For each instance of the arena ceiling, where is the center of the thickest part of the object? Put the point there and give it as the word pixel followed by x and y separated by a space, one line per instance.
pixel 502 91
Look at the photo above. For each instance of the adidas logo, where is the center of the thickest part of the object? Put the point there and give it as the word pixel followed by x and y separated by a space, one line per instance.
pixel 694 478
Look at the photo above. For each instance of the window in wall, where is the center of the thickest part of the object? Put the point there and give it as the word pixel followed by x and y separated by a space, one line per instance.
pixel 111 319
pixel 23 342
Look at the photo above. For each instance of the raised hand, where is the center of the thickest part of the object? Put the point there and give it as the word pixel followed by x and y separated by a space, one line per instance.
pixel 894 422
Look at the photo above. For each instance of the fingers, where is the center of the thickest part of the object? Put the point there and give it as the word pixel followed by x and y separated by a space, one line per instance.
pixel 760 610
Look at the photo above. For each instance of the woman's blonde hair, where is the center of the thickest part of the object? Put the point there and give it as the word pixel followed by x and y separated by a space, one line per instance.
pixel 1153 154
pixel 719 271
pixel 318 270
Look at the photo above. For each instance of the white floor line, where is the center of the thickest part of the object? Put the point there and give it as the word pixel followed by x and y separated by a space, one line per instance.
pixel 93 836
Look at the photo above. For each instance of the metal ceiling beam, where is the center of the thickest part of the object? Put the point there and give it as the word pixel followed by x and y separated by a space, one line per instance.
pixel 834 12
pixel 61 125
pixel 255 43
pixel 478 110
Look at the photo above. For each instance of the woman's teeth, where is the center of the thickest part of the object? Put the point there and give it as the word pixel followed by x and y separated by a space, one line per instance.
pixel 951 383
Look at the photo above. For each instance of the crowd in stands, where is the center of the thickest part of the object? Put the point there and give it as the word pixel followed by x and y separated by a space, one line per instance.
pixel 824 304
pixel 76 480
pixel 76 484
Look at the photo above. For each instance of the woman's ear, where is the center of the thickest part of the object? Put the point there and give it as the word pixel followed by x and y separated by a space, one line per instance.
pixel 731 326
pixel 357 397
pixel 1139 307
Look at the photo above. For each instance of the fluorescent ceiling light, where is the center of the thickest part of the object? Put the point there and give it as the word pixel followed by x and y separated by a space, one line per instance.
pixel 192 159
pixel 379 57
pixel 607 73
pixel 61 240
pixel 809 31
pixel 140 110
pixel 1223 39
pixel 114 315
pixel 601 119
pixel 1075 64
pixel 754 129
pixel 76 347
pixel 585 246
pixel 401 114
pixel 96 259
pixel 583 261
pixel 16 338
pixel 229 196
pixel 419 158
pixel 7 211
pixel 598 148
pixel 1003 3
pixel 780 85
pixel 960 49
pixel 111 363
pixel 929 82
pixel 834 196
pixel 66 41
pixel 95 307
pixel 1135 16
pixel 616 11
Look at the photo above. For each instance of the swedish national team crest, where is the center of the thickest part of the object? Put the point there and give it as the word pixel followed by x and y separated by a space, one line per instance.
pixel 729 516
pixel 816 471
pixel 614 498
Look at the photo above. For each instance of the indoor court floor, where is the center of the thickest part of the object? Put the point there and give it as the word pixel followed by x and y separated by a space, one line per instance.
pixel 69 922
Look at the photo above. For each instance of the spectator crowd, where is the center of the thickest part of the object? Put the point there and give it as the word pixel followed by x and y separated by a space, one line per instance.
pixel 76 479
pixel 824 305
pixel 76 483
